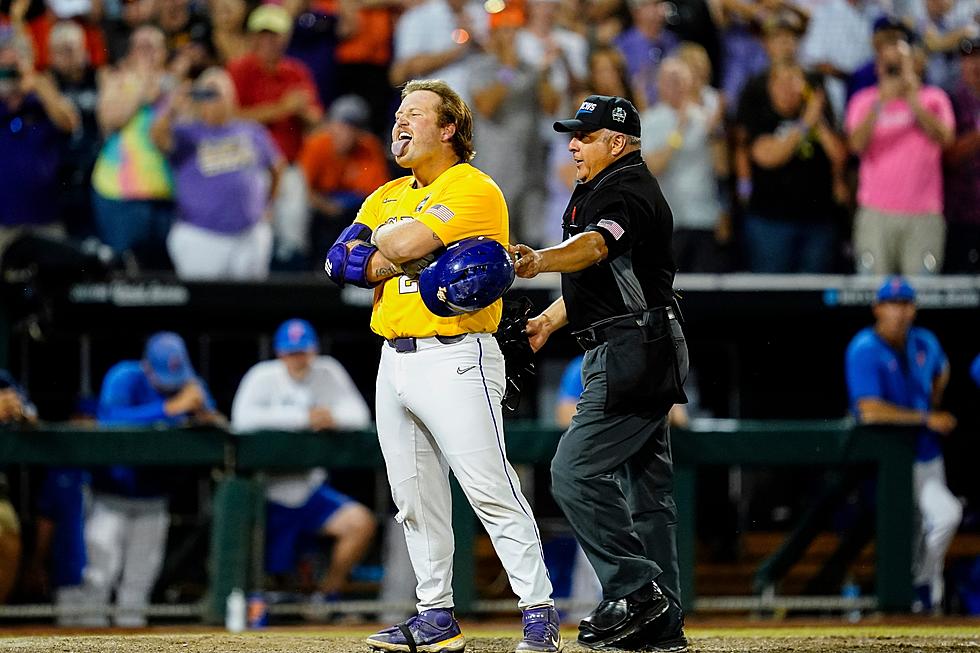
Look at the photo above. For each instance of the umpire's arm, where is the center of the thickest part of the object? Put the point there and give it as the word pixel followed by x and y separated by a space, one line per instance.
pixel 572 255
pixel 551 319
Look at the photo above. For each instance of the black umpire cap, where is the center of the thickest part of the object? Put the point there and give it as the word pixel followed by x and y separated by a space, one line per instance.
pixel 603 112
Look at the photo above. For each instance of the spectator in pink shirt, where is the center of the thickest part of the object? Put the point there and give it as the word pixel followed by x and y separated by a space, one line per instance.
pixel 899 128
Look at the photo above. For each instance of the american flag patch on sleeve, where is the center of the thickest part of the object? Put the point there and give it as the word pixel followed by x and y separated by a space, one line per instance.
pixel 441 211
pixel 612 227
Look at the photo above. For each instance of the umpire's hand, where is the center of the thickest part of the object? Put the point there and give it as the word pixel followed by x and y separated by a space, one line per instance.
pixel 527 262
pixel 538 330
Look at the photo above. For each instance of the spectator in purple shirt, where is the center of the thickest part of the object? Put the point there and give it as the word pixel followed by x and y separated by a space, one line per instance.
pixel 225 171
pixel 35 120
pixel 962 160
pixel 645 45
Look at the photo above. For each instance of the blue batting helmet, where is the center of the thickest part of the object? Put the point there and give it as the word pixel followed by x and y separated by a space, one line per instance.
pixel 471 274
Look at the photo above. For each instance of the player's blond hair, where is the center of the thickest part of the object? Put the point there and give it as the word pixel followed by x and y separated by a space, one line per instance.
pixel 452 111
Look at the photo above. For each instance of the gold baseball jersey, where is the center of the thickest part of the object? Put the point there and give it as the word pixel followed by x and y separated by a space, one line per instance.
pixel 462 202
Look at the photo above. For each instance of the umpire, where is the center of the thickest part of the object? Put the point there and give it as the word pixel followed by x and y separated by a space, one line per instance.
pixel 612 474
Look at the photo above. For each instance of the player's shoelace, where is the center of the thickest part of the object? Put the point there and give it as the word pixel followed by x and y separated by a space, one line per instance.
pixel 540 630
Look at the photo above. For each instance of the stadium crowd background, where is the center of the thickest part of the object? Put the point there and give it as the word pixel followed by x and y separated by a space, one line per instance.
pixel 228 140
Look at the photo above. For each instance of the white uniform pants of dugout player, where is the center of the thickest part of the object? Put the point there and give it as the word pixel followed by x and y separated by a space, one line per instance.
pixel 439 409
pixel 125 540
pixel 940 514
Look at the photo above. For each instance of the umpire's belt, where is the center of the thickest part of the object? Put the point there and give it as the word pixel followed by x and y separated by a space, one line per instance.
pixel 595 335
pixel 405 345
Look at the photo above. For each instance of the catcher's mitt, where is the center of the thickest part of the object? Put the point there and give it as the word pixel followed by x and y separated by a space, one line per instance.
pixel 518 355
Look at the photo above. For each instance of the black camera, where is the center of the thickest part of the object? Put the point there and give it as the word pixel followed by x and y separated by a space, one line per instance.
pixel 893 70
pixel 204 94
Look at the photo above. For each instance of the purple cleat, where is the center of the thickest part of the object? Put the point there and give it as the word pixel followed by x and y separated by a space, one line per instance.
pixel 427 632
pixel 541 630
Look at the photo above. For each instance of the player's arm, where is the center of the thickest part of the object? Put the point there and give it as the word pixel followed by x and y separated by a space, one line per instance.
pixel 406 240
pixel 347 404
pixel 354 260
pixel 939 383
pixel 116 407
pixel 252 410
pixel 874 410
pixel 572 255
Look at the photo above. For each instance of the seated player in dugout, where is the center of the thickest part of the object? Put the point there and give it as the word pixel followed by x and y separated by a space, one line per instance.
pixel 302 389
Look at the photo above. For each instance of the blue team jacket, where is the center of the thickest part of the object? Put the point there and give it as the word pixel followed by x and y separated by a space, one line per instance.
pixel 904 378
pixel 129 399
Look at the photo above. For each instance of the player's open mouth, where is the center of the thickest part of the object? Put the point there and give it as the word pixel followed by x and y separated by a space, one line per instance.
pixel 400 144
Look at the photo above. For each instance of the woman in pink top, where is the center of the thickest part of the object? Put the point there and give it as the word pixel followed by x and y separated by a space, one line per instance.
pixel 899 129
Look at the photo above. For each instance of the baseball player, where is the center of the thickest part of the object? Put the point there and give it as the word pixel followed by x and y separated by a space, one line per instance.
pixel 301 390
pixel 441 379
pixel 126 529
pixel 896 374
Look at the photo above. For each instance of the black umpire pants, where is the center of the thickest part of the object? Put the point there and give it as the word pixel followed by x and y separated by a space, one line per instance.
pixel 613 478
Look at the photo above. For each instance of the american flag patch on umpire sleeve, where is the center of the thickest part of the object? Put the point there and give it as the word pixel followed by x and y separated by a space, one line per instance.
pixel 441 211
pixel 612 227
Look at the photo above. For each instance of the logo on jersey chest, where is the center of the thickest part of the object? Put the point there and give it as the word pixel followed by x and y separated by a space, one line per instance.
pixel 418 209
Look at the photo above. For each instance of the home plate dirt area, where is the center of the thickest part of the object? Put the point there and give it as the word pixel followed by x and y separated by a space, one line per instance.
pixel 817 636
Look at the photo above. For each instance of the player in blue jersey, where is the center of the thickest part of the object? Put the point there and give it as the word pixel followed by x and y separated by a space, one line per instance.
pixel 126 529
pixel 896 374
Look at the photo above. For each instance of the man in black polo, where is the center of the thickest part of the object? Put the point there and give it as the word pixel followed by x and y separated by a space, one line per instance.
pixel 612 474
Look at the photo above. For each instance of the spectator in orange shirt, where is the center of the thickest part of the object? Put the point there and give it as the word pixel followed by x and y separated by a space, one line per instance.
pixel 343 165
pixel 279 92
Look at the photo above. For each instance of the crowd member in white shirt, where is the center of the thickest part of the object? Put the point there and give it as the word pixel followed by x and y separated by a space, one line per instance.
pixel 299 390
pixel 678 141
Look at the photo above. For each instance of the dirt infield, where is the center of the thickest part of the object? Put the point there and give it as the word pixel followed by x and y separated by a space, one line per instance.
pixel 803 639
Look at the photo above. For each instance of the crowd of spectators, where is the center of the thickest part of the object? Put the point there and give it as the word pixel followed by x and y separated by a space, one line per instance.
pixel 228 137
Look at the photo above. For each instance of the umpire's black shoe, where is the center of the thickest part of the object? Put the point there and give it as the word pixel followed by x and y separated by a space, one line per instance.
pixel 614 621
pixel 665 634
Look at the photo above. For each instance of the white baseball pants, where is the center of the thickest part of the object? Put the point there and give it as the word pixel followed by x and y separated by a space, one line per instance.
pixel 940 513
pixel 438 409
pixel 201 254
pixel 125 540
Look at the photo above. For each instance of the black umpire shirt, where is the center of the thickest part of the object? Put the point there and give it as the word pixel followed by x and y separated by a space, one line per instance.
pixel 624 204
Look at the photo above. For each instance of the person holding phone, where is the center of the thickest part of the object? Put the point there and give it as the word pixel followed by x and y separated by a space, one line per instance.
pixel 35 122
pixel 225 172
pixel 899 128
